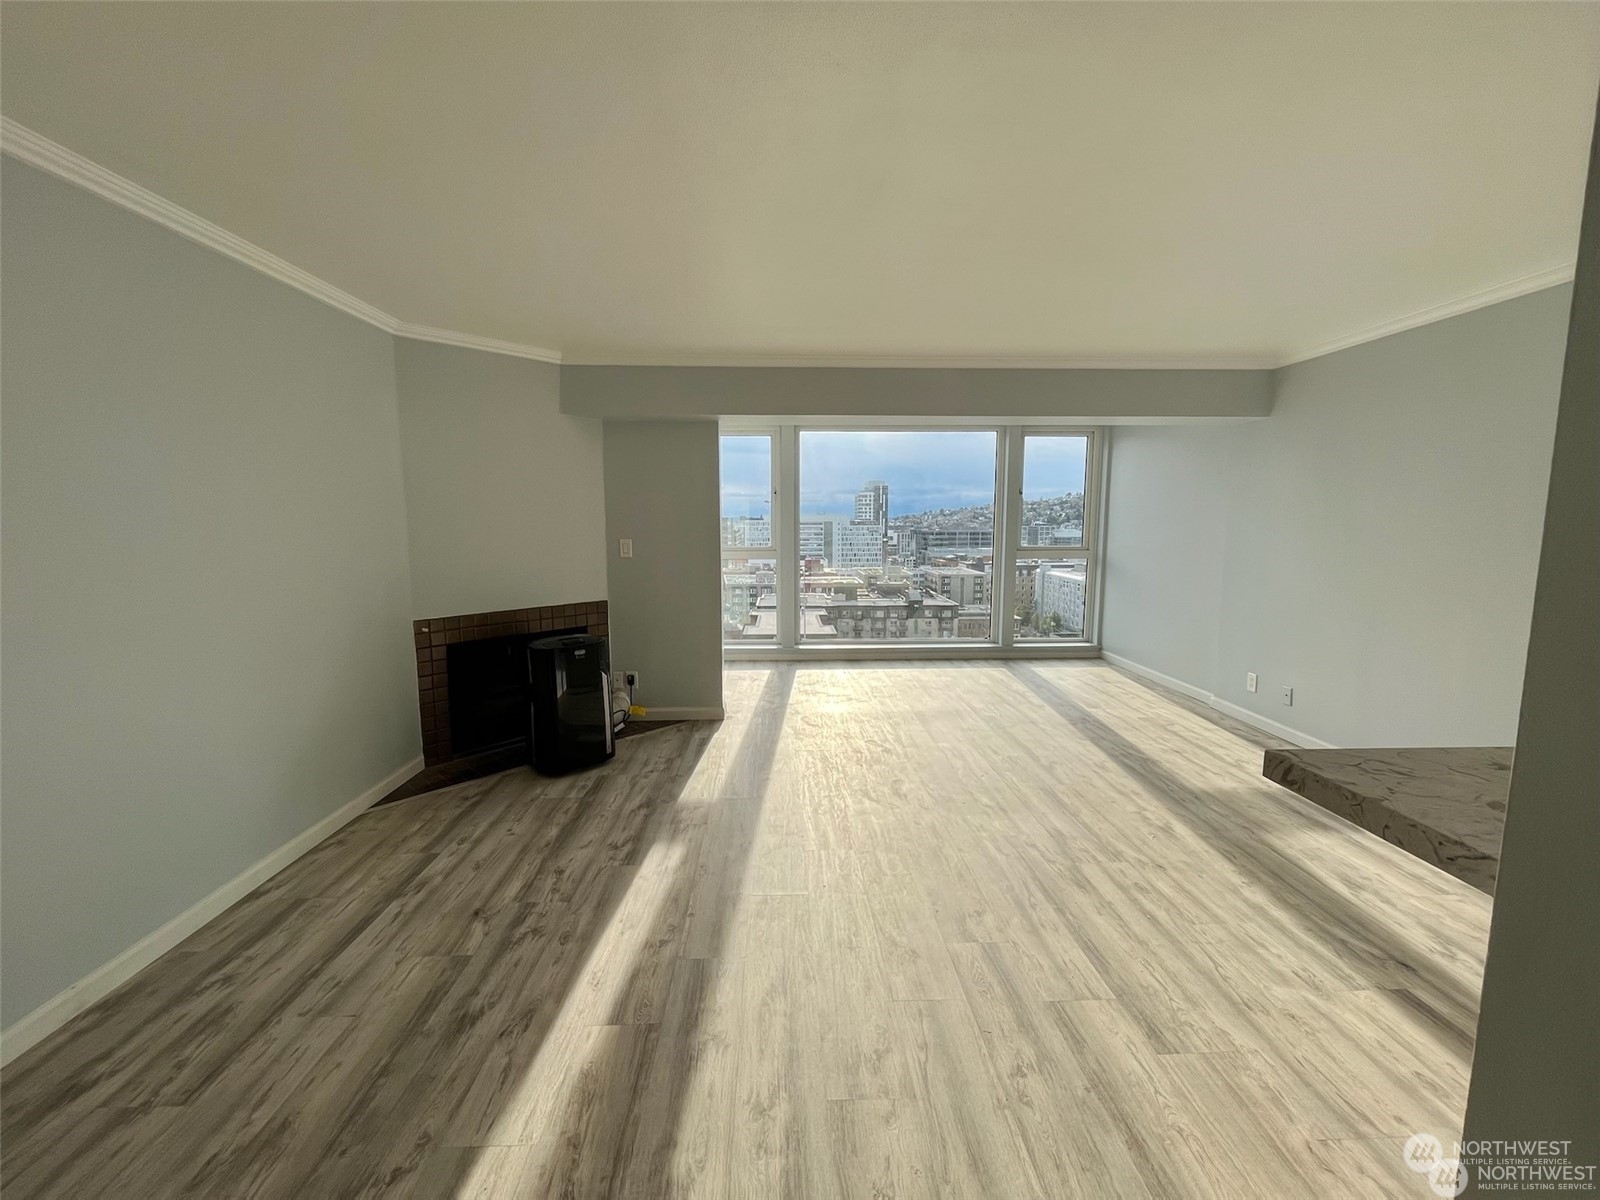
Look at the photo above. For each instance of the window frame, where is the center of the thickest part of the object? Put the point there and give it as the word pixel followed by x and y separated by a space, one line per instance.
pixel 771 433
pixel 1010 443
pixel 1089 553
pixel 771 550
pixel 798 642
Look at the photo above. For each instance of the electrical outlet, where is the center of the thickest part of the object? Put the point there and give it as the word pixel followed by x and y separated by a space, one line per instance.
pixel 1287 695
pixel 631 678
pixel 1249 681
pixel 625 547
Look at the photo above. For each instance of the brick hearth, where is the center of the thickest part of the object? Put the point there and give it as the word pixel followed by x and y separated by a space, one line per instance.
pixel 433 634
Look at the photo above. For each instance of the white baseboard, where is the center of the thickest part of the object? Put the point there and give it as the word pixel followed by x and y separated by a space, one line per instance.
pixel 1238 713
pixel 1267 725
pixel 652 713
pixel 61 1008
pixel 1166 681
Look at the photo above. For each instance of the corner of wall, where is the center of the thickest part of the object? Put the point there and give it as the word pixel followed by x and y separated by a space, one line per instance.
pixel 661 493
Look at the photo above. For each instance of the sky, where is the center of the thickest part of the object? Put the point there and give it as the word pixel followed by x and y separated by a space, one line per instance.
pixel 924 470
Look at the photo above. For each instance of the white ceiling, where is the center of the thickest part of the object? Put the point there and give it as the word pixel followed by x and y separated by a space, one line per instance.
pixel 818 182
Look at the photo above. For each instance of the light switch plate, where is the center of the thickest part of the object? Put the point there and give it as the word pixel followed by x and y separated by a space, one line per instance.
pixel 625 547
pixel 1249 681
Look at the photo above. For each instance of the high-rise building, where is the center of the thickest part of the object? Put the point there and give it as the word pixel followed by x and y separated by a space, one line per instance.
pixel 919 545
pixel 872 505
pixel 1061 592
pixel 1027 582
pixel 857 546
pixel 959 541
pixel 816 538
pixel 746 531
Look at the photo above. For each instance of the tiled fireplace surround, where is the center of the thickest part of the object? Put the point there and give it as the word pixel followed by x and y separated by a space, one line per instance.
pixel 434 634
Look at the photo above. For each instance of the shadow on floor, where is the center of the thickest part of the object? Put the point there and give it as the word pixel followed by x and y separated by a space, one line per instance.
pixel 490 762
pixel 630 1150
pixel 1324 913
pixel 365 1021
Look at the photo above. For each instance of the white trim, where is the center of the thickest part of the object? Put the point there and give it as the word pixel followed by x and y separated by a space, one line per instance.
pixel 1095 601
pixel 1304 740
pixel 37 150
pixel 22 143
pixel 446 337
pixel 61 1008
pixel 970 362
pixel 1521 286
pixel 1289 734
pixel 709 713
pixel 740 423
pixel 1007 535
pixel 1166 681
pixel 1010 441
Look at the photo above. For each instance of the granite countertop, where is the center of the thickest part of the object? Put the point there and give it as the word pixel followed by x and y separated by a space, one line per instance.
pixel 1446 805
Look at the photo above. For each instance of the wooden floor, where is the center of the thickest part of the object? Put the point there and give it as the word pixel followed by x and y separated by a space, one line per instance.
pixel 976 930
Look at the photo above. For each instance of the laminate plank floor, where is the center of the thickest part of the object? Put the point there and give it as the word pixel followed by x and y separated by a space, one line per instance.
pixel 890 930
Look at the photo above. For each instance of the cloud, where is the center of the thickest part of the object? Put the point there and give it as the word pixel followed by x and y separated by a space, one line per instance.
pixel 925 469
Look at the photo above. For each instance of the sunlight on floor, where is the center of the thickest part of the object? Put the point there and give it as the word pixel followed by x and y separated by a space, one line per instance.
pixel 579 1045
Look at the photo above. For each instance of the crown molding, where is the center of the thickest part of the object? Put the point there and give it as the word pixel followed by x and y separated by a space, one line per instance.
pixel 39 151
pixel 948 362
pixel 446 337
pixel 35 149
pixel 1523 285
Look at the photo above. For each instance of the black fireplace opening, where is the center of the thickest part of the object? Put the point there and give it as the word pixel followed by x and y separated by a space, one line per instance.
pixel 489 691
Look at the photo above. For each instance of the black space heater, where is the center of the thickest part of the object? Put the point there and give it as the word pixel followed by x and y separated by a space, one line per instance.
pixel 569 703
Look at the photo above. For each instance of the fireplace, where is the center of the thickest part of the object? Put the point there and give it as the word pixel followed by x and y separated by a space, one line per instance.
pixel 479 653
pixel 487 682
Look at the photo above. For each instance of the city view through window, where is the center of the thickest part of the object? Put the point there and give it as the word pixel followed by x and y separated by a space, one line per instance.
pixel 896 537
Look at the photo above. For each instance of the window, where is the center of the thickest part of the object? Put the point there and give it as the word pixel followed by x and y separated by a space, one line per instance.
pixel 1051 589
pixel 749 555
pixel 1054 467
pixel 896 533
pixel 747 493
pixel 886 536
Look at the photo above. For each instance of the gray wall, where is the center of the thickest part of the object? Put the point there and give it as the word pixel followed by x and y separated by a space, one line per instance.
pixel 206 635
pixel 1166 524
pixel 995 394
pixel 1536 1064
pixel 662 481
pixel 1378 534
pixel 504 497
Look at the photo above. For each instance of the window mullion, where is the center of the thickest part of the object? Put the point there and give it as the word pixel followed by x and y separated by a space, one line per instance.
pixel 1008 497
pixel 786 510
pixel 1094 529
